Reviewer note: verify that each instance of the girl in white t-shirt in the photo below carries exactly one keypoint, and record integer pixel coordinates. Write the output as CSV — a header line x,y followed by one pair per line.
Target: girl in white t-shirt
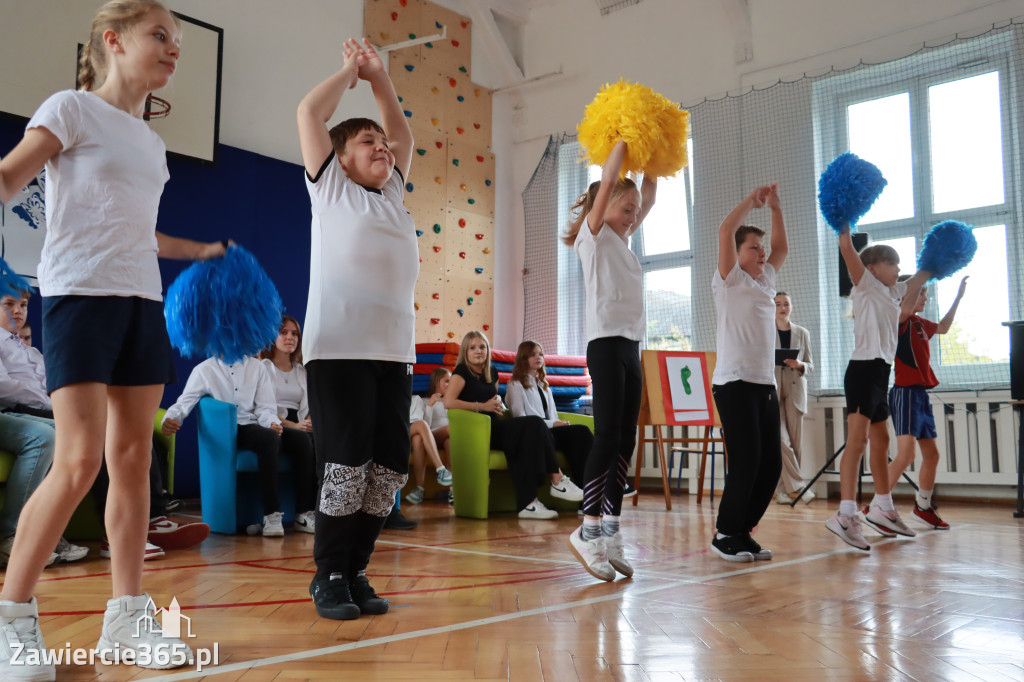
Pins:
x,y
427,419
603,219
877,312
108,356
744,382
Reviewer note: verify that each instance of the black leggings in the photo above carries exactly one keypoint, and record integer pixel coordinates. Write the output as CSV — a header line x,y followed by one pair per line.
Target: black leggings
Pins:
x,y
750,421
529,450
575,441
614,365
268,446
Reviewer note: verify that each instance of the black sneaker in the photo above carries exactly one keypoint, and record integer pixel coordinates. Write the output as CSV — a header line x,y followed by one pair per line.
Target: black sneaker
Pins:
x,y
760,553
366,598
396,521
173,504
732,548
628,491
333,599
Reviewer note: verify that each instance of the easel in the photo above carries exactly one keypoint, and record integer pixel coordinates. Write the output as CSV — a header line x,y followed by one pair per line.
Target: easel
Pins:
x,y
653,414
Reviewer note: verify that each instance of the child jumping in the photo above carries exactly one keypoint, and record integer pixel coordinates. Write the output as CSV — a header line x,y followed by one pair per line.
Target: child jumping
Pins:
x,y
603,219
360,321
880,304
744,381
911,409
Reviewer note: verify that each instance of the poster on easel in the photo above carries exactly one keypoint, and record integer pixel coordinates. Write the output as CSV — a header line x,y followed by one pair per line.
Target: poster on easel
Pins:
x,y
686,388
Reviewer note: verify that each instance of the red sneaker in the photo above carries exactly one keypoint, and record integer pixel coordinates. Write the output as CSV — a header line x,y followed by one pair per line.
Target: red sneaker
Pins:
x,y
930,517
170,535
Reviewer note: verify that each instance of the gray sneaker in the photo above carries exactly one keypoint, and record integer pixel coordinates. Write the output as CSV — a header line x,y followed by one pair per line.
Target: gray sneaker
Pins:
x,y
67,552
888,522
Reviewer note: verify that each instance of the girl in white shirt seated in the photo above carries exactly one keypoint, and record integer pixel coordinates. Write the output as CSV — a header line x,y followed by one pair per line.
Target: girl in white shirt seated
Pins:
x,y
247,385
528,393
428,419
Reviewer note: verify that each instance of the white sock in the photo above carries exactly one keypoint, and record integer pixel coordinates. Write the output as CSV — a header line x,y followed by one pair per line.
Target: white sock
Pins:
x,y
883,502
847,508
924,499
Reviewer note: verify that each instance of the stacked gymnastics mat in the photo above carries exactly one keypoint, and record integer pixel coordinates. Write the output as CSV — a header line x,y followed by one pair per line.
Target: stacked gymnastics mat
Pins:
x,y
566,374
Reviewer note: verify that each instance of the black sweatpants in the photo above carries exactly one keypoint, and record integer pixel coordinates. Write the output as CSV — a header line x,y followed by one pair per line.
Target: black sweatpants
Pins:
x,y
614,365
575,441
529,450
360,414
750,421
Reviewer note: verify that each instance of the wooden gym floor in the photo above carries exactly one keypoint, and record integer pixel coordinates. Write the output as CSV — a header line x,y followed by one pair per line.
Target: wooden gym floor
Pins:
x,y
504,600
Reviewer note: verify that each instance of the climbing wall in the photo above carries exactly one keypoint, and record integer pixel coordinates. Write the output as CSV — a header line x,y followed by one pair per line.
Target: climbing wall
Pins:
x,y
450,189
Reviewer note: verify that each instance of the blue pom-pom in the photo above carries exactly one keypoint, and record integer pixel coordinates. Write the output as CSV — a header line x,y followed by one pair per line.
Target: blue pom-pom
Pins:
x,y
948,247
11,283
847,189
224,307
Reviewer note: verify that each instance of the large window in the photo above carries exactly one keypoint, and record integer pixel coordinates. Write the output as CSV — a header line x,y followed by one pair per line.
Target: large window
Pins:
x,y
942,141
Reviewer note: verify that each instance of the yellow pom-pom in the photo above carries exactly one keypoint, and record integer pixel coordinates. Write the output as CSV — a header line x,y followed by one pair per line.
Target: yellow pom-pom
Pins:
x,y
653,127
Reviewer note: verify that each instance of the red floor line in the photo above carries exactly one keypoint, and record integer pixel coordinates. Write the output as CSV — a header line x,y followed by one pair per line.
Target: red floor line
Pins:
x,y
469,542
300,601
422,576
148,569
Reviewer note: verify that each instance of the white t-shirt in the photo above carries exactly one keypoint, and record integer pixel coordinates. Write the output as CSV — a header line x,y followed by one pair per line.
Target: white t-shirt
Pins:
x,y
746,326
876,317
363,266
102,194
290,389
614,283
435,415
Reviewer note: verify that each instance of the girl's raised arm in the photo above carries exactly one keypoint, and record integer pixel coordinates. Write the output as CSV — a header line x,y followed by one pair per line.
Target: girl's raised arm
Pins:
x,y
609,176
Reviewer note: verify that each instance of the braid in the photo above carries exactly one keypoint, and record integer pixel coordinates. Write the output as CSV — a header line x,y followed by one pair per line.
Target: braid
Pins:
x,y
86,68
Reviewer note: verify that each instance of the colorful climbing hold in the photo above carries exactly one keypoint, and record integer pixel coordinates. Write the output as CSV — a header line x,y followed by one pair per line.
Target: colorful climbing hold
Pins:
x,y
451,335
477,292
487,327
487,182
463,24
434,90
435,320
451,82
463,69
429,44
480,159
412,36
436,297
461,98
439,180
462,254
461,312
400,99
455,43
469,301
437,144
478,235
486,250
460,130
435,122
462,222
421,152
477,126
476,93
479,271
383,36
394,16
419,233
416,306
437,249
409,67
462,187
455,162
471,201
408,114
408,187
437,24
437,229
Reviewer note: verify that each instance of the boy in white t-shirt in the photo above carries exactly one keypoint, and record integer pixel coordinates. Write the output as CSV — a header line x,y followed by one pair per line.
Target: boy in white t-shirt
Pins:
x,y
360,319
877,312
744,381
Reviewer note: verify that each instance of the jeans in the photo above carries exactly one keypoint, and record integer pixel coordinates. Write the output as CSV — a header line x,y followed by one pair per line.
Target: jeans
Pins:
x,y
30,439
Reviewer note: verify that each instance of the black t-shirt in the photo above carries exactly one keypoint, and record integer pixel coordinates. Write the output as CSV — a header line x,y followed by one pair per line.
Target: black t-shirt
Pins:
x,y
476,389
785,337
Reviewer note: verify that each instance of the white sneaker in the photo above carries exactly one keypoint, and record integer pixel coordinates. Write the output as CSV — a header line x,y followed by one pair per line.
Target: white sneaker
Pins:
x,y
593,554
617,556
19,630
782,498
129,623
888,523
7,545
849,530
444,477
567,490
536,510
272,527
67,552
305,522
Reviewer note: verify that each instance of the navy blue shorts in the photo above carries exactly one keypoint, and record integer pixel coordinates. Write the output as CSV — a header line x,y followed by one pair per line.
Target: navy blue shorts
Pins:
x,y
866,382
912,412
113,340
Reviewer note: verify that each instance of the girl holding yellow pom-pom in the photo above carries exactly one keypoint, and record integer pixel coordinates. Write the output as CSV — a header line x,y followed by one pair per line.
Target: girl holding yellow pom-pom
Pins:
x,y
603,219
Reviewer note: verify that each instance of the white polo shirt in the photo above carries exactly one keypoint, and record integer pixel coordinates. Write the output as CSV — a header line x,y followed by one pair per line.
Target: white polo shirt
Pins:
x,y
876,318
363,266
245,384
614,283
746,326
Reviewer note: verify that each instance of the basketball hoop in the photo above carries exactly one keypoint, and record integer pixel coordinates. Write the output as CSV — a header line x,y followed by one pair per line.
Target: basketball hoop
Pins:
x,y
156,107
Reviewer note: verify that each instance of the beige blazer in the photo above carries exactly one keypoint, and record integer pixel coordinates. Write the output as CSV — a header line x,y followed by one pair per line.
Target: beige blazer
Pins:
x,y
796,381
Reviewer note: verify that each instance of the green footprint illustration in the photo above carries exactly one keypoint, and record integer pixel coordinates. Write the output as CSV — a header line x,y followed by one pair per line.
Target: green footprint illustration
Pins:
x,y
685,375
